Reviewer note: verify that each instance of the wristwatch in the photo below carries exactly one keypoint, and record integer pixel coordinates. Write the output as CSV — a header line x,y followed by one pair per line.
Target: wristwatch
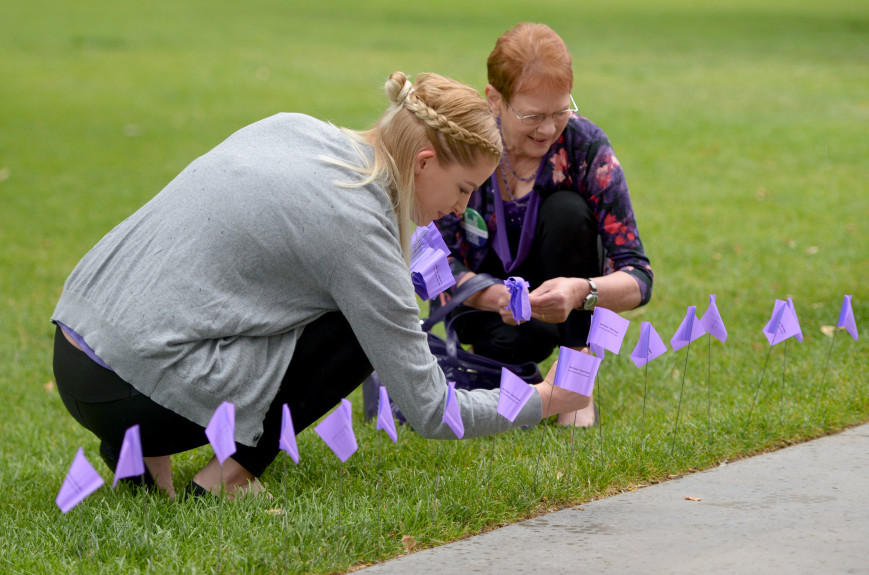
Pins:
x,y
591,299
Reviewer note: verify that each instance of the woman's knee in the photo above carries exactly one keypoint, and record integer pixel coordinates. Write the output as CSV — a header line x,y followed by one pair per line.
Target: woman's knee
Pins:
x,y
567,238
565,216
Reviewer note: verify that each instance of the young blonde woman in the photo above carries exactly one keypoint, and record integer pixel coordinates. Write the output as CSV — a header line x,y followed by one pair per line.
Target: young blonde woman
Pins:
x,y
273,270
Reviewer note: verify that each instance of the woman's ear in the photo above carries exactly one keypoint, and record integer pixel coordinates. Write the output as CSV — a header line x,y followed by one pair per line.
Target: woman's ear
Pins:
x,y
493,98
425,156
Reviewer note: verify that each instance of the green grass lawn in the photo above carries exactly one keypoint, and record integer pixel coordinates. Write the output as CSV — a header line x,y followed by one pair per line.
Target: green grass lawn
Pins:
x,y
742,127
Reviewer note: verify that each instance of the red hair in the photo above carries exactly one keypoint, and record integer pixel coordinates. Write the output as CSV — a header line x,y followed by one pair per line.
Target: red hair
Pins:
x,y
530,56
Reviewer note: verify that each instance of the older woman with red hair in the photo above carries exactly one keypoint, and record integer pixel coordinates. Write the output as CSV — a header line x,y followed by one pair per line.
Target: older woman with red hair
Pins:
x,y
555,212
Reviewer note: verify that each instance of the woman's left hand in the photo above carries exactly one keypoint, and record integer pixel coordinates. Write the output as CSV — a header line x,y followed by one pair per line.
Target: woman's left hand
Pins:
x,y
554,299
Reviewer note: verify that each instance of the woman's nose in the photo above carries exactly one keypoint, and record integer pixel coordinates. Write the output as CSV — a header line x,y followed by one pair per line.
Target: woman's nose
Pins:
x,y
548,127
461,205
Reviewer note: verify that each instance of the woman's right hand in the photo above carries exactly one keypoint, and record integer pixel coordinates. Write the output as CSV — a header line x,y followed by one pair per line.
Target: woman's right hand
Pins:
x,y
558,400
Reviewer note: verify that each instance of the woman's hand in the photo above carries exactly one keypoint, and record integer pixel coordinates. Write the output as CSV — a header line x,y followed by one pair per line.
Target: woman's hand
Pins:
x,y
554,299
494,298
557,399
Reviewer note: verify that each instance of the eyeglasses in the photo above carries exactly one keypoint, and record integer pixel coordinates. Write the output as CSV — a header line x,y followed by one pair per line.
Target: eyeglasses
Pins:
x,y
537,119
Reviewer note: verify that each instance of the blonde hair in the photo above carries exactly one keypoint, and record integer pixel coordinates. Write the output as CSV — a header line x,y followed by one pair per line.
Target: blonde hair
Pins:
x,y
451,118
530,56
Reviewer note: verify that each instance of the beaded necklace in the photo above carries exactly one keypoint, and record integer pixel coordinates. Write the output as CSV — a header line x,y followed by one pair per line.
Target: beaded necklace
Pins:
x,y
512,171
506,160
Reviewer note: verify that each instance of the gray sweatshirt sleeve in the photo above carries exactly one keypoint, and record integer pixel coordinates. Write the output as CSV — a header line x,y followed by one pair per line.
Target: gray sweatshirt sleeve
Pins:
x,y
372,287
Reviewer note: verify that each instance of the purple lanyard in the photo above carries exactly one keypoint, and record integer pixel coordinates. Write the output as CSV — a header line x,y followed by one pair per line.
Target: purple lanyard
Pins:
x,y
526,237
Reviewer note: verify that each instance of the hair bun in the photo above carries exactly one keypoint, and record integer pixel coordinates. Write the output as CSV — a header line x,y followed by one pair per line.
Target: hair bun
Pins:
x,y
398,87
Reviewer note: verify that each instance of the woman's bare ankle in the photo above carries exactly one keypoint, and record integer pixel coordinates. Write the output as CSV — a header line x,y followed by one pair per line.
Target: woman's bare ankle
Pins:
x,y
160,469
582,418
236,480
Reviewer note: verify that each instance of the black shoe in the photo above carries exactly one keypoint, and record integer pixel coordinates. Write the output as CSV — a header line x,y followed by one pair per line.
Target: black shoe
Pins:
x,y
110,456
196,492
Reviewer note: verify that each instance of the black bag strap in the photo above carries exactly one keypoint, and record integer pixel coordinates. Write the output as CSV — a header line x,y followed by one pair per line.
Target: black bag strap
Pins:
x,y
477,283
452,341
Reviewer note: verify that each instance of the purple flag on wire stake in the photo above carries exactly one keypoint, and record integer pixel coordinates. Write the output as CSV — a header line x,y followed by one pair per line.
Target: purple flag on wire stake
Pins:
x,y
576,371
519,304
426,236
650,345
81,481
431,274
712,322
515,393
385,418
337,431
846,318
452,412
221,431
607,331
689,330
130,461
287,442
783,323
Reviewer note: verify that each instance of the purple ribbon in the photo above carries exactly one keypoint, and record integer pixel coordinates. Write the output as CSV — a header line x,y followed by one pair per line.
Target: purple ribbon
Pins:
x,y
526,238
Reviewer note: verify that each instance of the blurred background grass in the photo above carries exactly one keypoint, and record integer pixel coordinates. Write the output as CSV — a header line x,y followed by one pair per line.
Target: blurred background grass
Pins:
x,y
742,130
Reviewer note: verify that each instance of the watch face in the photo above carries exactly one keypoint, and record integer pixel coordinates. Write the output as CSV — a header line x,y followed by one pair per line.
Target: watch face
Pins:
x,y
590,301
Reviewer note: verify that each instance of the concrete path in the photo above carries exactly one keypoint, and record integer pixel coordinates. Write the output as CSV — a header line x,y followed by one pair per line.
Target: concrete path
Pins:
x,y
804,509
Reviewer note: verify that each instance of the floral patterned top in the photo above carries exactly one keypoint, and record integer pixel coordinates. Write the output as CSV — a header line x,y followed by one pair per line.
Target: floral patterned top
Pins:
x,y
582,159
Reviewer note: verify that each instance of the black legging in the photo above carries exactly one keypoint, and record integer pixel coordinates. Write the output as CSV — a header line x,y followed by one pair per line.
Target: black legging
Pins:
x,y
328,363
566,244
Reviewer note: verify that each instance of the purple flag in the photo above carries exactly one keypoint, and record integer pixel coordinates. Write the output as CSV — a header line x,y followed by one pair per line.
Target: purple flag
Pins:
x,y
130,462
519,305
846,318
689,330
774,325
783,323
452,413
712,322
576,371
423,237
431,273
799,334
287,442
337,431
607,331
515,393
81,481
650,345
221,431
429,268
385,418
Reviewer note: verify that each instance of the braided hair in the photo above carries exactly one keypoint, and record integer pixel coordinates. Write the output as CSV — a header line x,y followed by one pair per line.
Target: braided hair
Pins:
x,y
435,112
401,92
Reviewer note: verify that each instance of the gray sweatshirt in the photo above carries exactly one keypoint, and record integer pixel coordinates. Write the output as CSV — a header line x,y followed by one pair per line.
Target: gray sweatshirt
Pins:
x,y
201,295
